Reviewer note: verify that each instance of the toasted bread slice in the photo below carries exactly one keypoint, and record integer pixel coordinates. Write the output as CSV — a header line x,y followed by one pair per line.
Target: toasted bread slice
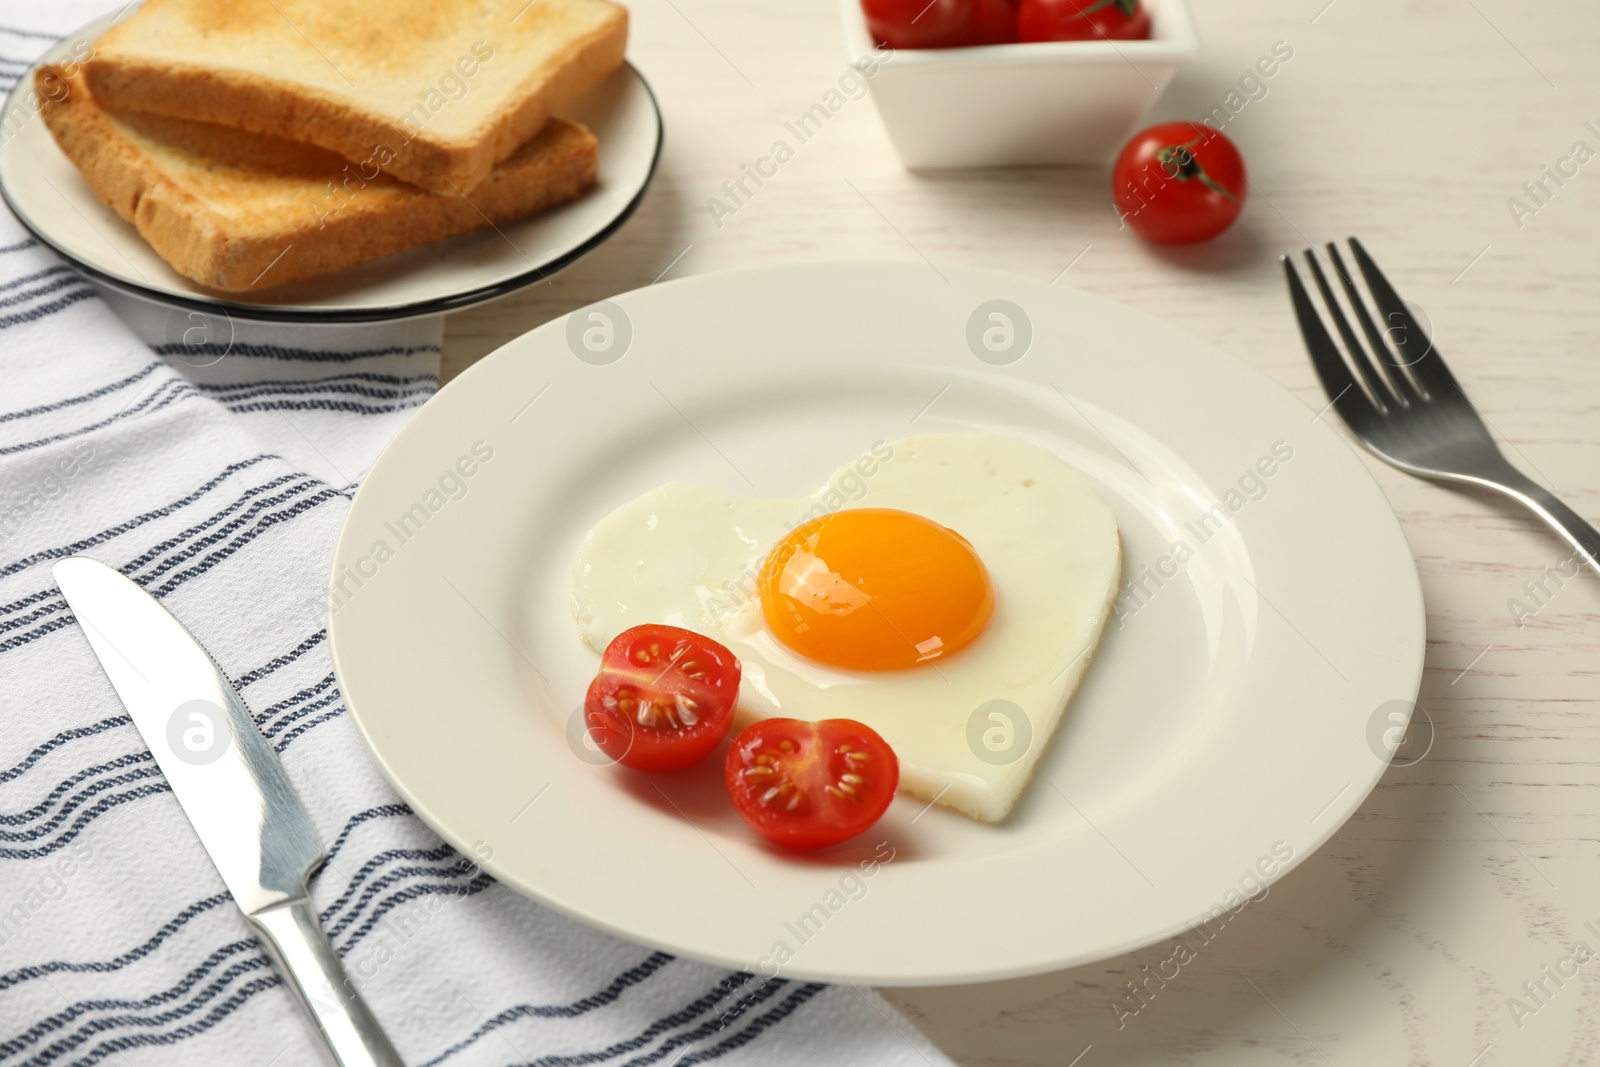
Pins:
x,y
242,211
446,88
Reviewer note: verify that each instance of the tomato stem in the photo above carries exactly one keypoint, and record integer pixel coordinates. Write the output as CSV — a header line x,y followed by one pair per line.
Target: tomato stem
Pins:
x,y
1129,8
1179,161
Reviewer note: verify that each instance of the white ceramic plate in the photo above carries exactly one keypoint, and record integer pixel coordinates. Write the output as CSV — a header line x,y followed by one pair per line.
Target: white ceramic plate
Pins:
x,y
48,194
1222,733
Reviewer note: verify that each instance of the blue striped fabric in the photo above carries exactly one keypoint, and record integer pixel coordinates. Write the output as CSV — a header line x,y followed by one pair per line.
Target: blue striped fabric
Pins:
x,y
219,486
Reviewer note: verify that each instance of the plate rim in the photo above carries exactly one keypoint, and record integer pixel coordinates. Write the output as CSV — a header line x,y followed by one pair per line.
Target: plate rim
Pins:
x,y
455,301
1343,808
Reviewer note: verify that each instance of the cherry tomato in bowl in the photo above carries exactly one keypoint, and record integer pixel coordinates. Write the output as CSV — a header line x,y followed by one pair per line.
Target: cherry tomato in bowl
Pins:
x,y
1179,182
1082,20
663,698
808,785
940,23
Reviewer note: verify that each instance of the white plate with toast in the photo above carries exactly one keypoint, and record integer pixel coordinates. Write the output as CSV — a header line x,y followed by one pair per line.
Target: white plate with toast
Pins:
x,y
1238,709
51,197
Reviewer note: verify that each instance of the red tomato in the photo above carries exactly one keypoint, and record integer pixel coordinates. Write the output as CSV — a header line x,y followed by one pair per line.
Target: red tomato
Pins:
x,y
663,698
1082,20
1179,182
992,22
941,23
806,785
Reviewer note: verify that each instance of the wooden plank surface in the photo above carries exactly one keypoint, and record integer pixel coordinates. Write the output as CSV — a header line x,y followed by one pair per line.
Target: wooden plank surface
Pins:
x,y
1412,124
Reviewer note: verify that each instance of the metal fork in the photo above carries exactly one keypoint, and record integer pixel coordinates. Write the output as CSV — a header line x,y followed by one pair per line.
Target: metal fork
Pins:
x,y
1403,402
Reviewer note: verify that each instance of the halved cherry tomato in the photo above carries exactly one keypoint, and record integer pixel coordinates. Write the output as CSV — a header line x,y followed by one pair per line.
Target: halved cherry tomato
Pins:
x,y
1179,182
807,785
1082,20
940,23
663,698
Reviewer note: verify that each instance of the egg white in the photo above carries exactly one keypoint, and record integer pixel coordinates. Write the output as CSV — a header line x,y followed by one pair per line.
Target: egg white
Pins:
x,y
689,556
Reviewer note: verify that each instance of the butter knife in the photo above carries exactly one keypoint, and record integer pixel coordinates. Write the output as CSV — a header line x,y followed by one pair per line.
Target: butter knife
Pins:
x,y
231,786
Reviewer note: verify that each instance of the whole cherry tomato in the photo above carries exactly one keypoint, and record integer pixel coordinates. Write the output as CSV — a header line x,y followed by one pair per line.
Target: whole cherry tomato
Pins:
x,y
941,23
663,698
1179,182
807,785
1082,20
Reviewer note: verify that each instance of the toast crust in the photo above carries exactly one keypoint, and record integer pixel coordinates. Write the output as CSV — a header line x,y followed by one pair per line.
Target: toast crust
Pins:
x,y
242,212
128,74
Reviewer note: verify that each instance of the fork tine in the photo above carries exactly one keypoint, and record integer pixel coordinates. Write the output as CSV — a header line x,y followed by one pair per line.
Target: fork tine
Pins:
x,y
1381,395
1385,361
1341,388
1429,368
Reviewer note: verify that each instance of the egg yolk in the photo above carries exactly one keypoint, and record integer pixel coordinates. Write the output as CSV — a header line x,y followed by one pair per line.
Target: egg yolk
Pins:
x,y
875,589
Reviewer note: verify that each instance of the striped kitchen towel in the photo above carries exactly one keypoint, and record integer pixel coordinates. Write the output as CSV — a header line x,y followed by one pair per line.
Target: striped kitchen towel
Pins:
x,y
219,484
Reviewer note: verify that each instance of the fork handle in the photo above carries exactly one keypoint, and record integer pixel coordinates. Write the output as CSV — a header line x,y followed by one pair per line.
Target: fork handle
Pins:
x,y
1573,528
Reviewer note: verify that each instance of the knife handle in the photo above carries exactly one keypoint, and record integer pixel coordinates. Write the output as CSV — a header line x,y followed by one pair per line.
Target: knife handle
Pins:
x,y
292,936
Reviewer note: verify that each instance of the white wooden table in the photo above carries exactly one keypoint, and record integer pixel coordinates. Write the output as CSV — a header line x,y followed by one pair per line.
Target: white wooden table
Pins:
x,y
1409,124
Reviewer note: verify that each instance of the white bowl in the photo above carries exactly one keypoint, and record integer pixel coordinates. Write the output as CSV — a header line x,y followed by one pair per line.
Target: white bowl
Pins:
x,y
1019,104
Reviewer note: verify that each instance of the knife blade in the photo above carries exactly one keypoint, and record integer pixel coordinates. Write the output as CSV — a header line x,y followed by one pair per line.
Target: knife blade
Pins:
x,y
230,785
